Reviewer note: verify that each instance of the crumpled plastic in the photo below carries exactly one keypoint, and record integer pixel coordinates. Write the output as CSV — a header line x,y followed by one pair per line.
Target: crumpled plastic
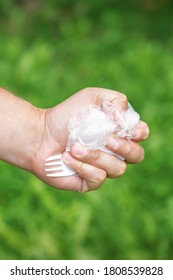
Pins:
x,y
93,126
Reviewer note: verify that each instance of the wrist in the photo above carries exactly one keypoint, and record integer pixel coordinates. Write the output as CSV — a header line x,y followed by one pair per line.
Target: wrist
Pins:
x,y
36,132
21,130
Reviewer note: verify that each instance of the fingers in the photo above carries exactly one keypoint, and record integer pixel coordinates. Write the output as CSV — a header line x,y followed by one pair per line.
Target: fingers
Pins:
x,y
94,176
130,150
120,102
140,132
113,166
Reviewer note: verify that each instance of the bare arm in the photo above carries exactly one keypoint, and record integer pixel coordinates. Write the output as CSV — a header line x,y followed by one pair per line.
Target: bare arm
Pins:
x,y
21,126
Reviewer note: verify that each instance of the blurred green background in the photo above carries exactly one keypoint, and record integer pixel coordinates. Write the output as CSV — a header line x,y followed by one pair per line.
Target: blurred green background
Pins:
x,y
48,51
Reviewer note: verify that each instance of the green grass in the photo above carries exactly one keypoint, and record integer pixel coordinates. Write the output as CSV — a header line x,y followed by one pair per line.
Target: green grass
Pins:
x,y
46,56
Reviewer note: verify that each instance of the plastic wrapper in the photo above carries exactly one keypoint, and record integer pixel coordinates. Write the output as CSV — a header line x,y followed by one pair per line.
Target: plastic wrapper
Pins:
x,y
93,125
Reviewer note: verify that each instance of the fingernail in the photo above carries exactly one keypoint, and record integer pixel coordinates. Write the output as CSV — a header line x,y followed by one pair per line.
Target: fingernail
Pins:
x,y
141,131
71,162
79,150
135,132
114,142
67,158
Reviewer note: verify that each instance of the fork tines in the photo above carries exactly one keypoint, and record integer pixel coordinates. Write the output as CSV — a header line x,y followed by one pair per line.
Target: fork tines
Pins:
x,y
55,167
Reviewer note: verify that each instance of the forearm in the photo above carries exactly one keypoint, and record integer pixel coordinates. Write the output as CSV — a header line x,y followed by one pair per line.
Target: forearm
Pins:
x,y
21,126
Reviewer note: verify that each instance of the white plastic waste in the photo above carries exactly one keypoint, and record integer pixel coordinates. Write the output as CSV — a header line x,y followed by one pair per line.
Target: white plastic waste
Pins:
x,y
93,126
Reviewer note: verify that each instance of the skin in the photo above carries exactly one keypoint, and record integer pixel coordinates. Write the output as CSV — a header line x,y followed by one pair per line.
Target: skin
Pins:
x,y
29,135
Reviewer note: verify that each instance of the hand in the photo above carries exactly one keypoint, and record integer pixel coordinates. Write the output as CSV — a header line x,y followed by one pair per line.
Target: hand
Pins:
x,y
93,167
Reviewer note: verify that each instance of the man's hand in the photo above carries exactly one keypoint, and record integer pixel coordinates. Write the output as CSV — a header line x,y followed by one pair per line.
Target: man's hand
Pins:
x,y
93,167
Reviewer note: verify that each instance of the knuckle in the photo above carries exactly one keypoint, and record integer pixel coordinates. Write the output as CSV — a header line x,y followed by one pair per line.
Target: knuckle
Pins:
x,y
79,166
100,176
94,155
90,94
84,187
123,97
127,149
91,155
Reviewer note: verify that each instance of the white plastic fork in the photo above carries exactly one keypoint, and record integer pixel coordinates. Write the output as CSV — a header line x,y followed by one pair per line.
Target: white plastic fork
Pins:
x,y
55,167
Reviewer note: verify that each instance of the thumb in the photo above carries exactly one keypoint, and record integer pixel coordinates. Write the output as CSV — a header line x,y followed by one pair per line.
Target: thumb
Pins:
x,y
117,99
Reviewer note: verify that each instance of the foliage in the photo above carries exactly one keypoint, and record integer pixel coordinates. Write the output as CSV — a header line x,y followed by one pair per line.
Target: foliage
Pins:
x,y
48,51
